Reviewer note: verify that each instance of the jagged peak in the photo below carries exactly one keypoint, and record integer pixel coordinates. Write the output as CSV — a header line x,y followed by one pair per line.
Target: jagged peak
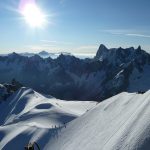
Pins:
x,y
35,57
102,47
131,48
64,56
43,52
103,50
14,54
114,54
139,48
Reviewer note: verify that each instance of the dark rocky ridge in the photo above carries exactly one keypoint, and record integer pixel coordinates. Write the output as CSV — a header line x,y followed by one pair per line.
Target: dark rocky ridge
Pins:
x,y
111,71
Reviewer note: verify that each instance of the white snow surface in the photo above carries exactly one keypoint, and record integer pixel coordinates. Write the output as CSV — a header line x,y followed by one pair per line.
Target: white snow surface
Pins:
x,y
119,123
28,116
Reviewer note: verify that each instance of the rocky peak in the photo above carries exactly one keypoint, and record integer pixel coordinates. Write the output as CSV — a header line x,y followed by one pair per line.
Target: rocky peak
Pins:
x,y
102,47
43,53
14,55
139,48
102,52
36,58
117,56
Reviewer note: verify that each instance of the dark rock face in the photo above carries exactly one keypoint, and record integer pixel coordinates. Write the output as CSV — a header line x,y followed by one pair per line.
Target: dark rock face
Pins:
x,y
7,90
111,71
3,92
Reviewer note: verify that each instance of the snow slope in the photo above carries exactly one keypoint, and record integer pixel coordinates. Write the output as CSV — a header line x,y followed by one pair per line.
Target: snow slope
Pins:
x,y
29,116
119,123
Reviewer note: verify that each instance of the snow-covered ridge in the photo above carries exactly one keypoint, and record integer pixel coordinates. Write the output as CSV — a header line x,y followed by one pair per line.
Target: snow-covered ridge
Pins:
x,y
30,115
119,123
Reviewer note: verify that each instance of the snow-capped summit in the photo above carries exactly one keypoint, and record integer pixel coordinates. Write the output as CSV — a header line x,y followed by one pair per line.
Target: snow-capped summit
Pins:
x,y
36,58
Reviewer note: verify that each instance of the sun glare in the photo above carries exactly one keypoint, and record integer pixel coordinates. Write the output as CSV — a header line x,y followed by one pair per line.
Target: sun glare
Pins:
x,y
33,15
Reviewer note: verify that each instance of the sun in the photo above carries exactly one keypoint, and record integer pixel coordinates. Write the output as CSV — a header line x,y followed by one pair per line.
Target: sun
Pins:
x,y
33,15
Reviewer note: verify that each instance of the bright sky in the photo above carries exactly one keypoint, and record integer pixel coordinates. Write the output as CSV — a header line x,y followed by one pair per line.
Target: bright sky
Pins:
x,y
77,26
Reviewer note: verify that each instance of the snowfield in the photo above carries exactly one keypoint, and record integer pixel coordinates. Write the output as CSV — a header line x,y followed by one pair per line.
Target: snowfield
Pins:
x,y
30,116
119,123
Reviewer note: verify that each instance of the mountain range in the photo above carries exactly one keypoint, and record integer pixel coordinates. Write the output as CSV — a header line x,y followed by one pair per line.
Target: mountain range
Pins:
x,y
67,77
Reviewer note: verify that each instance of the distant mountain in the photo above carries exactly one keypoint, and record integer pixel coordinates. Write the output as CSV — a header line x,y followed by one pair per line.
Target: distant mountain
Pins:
x,y
27,54
110,72
45,54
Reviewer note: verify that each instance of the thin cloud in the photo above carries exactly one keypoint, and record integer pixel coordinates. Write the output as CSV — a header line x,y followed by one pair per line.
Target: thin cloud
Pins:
x,y
86,49
34,47
138,35
126,32
115,31
50,48
56,42
48,41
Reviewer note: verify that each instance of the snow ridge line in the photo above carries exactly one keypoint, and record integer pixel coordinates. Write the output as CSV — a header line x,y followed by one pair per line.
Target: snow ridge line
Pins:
x,y
131,116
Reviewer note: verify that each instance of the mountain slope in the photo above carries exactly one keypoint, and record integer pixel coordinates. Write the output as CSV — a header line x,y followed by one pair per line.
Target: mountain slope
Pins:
x,y
29,116
119,123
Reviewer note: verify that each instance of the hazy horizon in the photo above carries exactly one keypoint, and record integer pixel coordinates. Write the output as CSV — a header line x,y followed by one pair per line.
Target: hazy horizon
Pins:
x,y
70,52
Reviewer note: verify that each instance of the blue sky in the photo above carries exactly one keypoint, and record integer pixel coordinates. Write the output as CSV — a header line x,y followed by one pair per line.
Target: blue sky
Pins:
x,y
77,26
